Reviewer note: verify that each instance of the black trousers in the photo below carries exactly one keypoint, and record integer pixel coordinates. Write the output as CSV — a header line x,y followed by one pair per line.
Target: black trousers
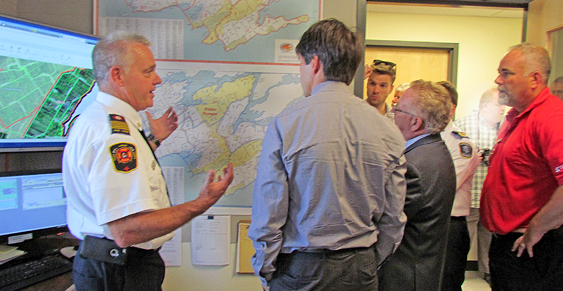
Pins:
x,y
343,270
144,270
542,272
456,254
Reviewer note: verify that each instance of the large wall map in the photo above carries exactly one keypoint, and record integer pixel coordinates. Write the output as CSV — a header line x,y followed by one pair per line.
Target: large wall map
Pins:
x,y
223,115
216,30
221,70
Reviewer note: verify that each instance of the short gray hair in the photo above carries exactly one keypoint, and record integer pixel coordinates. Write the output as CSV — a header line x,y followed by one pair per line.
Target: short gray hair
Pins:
x,y
488,97
433,105
537,59
114,50
403,87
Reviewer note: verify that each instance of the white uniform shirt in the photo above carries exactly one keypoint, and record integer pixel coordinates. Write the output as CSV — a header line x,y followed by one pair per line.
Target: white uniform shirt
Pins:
x,y
466,160
109,171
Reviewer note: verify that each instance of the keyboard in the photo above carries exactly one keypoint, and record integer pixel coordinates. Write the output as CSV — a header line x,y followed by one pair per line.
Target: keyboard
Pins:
x,y
31,272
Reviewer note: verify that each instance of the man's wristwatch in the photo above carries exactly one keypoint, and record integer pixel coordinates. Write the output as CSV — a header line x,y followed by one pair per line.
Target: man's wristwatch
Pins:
x,y
155,140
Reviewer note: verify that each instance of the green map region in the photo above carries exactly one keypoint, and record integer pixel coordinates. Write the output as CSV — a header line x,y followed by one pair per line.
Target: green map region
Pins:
x,y
38,99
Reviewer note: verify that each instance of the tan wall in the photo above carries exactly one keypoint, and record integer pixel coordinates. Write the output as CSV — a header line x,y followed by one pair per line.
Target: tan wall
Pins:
x,y
543,15
69,14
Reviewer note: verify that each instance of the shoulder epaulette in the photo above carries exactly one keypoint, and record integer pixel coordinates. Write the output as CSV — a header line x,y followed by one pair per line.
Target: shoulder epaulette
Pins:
x,y
460,134
118,124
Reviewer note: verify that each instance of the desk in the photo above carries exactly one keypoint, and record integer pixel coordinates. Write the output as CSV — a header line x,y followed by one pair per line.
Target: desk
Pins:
x,y
58,283
47,245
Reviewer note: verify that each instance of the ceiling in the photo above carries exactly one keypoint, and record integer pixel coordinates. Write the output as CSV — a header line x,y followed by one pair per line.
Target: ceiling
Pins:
x,y
452,10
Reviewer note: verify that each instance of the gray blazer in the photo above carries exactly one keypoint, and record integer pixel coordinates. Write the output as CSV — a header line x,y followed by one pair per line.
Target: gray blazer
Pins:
x,y
431,183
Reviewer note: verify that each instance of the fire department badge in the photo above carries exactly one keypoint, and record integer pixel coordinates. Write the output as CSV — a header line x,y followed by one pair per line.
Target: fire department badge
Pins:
x,y
124,156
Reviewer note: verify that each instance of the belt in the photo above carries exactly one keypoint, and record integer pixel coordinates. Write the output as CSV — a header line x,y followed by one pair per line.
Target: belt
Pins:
x,y
134,251
517,232
510,235
328,252
107,250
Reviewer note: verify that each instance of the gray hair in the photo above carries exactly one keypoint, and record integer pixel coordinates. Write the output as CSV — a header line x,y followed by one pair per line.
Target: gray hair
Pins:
x,y
537,59
338,48
403,87
114,50
558,80
433,105
488,96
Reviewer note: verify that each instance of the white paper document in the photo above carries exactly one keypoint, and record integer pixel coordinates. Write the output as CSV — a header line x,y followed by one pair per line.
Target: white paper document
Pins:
x,y
166,35
174,177
211,240
171,251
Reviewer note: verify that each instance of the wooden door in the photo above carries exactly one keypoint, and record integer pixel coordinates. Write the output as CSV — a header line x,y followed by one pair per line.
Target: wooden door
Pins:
x,y
412,63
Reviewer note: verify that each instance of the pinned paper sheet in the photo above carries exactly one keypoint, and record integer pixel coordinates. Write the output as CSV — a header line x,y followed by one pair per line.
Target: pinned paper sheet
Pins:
x,y
171,251
211,240
174,177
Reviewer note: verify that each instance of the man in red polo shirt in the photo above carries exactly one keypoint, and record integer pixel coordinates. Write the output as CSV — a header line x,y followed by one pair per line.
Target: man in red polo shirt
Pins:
x,y
522,199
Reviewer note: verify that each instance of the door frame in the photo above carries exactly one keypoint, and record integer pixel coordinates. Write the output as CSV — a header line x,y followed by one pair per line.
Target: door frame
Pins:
x,y
452,48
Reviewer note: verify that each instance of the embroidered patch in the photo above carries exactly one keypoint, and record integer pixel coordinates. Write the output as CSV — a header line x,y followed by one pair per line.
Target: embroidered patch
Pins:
x,y
118,124
465,150
124,156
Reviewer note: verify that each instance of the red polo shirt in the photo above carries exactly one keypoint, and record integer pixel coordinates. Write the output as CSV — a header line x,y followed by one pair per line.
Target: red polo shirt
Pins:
x,y
526,165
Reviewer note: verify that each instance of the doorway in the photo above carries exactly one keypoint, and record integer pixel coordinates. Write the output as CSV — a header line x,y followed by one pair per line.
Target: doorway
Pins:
x,y
415,60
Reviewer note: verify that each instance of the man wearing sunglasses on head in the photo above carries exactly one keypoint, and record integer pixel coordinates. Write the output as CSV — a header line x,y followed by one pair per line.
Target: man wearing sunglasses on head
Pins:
x,y
380,75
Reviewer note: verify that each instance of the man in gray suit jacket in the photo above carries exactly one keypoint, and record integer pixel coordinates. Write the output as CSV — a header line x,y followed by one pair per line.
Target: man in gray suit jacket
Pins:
x,y
421,114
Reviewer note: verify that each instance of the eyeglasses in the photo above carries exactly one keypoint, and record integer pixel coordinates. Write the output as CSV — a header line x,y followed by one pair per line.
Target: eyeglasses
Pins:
x,y
395,109
557,92
378,62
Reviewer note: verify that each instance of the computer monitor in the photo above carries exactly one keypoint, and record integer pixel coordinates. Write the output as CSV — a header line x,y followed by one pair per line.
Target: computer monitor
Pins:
x,y
46,81
32,204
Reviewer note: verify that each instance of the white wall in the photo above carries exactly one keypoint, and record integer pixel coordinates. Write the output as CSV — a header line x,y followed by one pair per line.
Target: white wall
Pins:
x,y
208,278
482,43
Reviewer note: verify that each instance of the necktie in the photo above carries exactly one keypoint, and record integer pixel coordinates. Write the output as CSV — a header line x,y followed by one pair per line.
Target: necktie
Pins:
x,y
147,141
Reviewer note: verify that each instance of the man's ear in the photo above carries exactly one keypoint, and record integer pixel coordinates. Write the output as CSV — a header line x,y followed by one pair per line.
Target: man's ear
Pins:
x,y
417,124
536,79
317,70
116,75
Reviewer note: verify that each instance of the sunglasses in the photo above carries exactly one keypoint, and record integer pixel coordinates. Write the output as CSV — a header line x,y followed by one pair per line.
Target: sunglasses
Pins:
x,y
379,62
